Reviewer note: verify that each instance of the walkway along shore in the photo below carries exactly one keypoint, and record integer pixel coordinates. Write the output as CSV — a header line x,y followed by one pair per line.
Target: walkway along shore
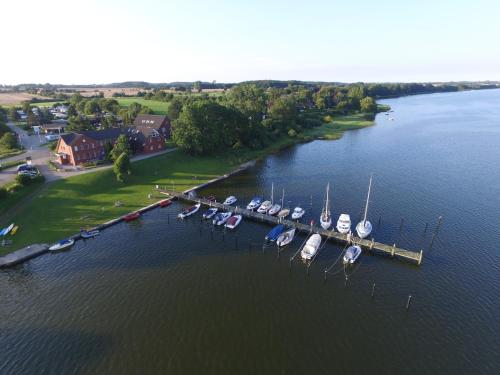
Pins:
x,y
34,250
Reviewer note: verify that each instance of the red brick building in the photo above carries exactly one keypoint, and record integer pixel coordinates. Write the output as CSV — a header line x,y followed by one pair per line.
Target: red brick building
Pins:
x,y
147,136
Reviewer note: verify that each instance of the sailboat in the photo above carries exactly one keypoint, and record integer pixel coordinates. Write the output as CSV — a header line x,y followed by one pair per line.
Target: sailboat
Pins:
x,y
284,211
364,227
326,217
275,207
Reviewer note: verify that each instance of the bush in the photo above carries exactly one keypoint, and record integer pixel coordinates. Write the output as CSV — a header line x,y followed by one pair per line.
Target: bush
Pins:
x,y
23,179
327,118
312,123
14,187
292,133
3,192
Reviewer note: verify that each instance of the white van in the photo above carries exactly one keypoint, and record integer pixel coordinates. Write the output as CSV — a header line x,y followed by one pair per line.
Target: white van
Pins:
x,y
52,137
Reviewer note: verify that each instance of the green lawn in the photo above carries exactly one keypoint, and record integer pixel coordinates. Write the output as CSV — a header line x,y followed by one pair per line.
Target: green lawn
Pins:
x,y
339,124
159,108
65,206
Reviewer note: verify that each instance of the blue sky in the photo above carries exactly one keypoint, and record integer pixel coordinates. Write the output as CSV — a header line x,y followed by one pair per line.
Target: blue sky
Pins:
x,y
228,41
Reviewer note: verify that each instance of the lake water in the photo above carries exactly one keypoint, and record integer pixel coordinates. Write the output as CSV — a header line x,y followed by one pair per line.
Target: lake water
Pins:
x,y
168,296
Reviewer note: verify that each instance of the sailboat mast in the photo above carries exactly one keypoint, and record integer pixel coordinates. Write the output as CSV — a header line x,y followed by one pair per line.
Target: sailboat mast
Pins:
x,y
283,198
327,207
272,193
367,199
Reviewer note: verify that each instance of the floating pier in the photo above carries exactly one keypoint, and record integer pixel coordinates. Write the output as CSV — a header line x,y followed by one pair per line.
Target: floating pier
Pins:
x,y
23,254
368,245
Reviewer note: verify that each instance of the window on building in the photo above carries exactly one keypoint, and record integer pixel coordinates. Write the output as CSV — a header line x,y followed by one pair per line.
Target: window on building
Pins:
x,y
76,148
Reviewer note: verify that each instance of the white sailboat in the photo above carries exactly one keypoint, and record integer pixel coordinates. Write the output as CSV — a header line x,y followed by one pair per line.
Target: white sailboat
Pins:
x,y
284,211
364,227
326,217
275,208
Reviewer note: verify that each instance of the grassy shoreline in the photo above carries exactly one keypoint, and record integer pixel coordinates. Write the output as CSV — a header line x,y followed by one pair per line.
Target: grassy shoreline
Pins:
x,y
65,206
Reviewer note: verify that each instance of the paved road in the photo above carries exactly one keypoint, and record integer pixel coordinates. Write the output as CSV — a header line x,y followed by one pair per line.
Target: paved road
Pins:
x,y
40,155
33,144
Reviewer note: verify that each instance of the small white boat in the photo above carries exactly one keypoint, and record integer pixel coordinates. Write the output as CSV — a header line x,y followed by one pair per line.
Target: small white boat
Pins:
x,y
351,254
208,214
311,247
233,221
344,224
364,227
89,234
221,218
326,217
285,238
8,229
254,203
230,200
264,207
190,211
63,244
391,118
275,208
297,213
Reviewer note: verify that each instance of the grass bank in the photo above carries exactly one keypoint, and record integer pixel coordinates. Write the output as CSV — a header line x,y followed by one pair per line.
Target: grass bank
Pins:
x,y
159,108
64,206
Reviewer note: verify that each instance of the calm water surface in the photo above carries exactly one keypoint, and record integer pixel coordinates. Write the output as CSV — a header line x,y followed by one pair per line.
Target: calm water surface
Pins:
x,y
168,296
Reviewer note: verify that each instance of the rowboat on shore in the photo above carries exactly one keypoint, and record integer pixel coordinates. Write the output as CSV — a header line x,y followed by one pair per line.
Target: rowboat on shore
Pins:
x,y
165,203
132,216
62,245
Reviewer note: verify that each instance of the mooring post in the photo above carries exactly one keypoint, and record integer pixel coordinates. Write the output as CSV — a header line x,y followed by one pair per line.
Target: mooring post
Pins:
x,y
401,225
325,273
435,232
371,244
392,250
420,258
379,219
408,302
373,290
425,229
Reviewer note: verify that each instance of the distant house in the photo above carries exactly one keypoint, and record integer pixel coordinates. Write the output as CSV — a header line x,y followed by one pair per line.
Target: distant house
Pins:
x,y
78,148
157,122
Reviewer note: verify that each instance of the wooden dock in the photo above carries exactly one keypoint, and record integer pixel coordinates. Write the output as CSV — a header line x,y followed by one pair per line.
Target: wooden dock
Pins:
x,y
23,254
367,245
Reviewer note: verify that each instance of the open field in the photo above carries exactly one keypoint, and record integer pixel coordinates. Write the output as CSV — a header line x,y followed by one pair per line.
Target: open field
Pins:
x,y
13,98
159,108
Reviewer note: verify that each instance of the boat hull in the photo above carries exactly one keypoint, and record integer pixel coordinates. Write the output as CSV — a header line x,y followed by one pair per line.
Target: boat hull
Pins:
x,y
365,230
311,247
285,238
352,254
232,224
60,247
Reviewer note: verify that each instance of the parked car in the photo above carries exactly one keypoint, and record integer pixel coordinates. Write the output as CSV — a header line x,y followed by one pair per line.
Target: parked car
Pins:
x,y
25,167
52,137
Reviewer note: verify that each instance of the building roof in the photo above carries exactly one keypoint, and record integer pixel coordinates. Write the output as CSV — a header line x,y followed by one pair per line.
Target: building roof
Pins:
x,y
150,121
69,138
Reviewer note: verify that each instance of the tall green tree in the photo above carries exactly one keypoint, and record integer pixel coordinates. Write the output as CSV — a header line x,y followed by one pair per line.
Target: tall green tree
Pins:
x,y
121,146
14,115
368,105
8,141
122,166
249,100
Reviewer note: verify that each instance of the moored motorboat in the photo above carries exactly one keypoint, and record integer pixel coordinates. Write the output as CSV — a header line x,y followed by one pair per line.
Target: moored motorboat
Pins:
x,y
311,247
165,203
297,213
208,214
63,244
344,224
326,217
233,221
351,254
285,238
230,200
190,211
275,208
264,207
254,203
275,232
364,227
89,234
221,218
132,216
284,213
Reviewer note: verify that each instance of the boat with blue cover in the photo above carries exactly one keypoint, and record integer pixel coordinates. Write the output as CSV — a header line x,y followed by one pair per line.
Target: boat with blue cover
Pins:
x,y
275,232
